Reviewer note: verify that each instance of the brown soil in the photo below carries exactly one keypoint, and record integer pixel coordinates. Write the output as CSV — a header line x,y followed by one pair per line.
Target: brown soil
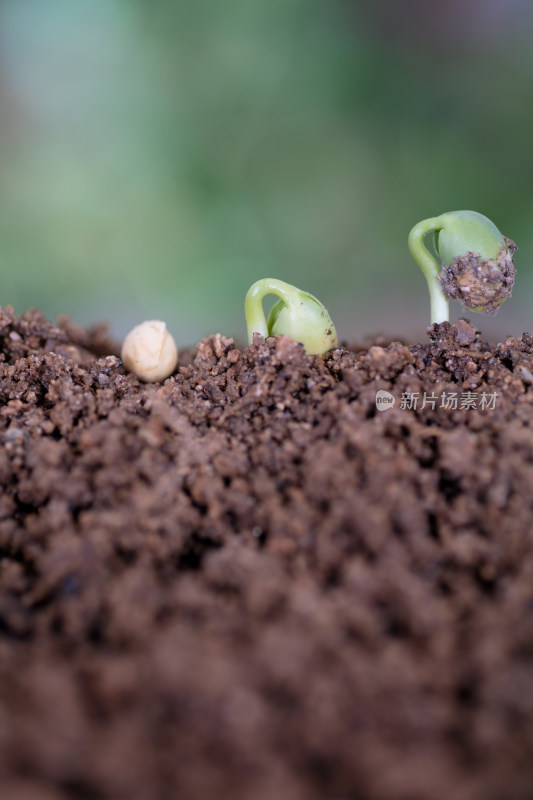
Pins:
x,y
248,583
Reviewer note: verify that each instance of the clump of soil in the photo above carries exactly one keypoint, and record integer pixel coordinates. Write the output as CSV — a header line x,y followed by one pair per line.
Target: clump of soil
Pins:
x,y
248,582
481,285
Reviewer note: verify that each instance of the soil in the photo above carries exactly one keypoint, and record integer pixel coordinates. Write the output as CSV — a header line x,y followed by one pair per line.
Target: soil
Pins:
x,y
249,582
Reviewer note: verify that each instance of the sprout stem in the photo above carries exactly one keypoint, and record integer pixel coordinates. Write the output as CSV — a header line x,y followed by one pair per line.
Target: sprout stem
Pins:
x,y
440,310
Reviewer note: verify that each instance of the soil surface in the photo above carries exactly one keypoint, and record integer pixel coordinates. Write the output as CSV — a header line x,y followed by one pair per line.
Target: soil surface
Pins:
x,y
250,583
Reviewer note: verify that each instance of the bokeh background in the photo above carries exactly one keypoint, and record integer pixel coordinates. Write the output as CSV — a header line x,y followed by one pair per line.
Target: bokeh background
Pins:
x,y
159,156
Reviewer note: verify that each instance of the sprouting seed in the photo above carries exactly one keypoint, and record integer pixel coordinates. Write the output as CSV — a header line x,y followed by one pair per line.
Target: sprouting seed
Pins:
x,y
476,262
296,314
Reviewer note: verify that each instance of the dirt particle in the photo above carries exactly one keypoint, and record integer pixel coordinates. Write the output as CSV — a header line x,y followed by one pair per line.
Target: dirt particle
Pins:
x,y
481,285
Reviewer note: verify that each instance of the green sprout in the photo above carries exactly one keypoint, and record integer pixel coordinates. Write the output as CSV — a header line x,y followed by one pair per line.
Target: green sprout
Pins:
x,y
476,262
296,314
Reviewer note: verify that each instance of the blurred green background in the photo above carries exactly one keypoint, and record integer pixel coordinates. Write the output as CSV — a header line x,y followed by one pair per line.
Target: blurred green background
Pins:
x,y
159,156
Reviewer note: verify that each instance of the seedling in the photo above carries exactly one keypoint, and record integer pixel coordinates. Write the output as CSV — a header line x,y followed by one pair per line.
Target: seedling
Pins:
x,y
150,351
296,314
476,262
